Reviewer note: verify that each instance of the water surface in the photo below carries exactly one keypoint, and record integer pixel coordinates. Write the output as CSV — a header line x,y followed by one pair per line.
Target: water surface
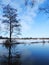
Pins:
x,y
25,54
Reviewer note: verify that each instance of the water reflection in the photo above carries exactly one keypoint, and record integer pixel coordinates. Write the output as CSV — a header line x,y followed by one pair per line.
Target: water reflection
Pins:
x,y
10,59
24,54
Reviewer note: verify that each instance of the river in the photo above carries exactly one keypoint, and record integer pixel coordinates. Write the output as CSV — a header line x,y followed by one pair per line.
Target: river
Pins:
x,y
25,54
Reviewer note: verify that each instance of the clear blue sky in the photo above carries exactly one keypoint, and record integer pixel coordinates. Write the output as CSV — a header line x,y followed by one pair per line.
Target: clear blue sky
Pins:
x,y
34,24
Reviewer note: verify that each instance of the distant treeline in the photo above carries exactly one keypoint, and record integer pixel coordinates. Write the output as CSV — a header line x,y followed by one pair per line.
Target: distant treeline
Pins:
x,y
25,38
3,37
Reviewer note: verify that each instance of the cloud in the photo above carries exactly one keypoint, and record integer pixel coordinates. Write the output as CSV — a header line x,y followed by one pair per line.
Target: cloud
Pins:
x,y
26,14
29,15
5,2
40,1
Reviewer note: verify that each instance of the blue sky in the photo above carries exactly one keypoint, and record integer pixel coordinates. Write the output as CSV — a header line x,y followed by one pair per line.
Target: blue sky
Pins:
x,y
34,24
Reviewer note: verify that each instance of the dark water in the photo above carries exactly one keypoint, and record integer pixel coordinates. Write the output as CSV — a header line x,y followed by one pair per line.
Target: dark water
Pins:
x,y
25,54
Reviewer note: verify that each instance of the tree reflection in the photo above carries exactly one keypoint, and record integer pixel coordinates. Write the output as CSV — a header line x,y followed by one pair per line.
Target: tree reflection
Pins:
x,y
11,59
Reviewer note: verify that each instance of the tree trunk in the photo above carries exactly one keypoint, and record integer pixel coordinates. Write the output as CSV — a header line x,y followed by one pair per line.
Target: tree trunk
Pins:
x,y
10,31
9,60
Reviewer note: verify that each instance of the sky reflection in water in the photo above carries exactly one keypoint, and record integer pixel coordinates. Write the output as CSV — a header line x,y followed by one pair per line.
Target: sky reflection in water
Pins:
x,y
29,52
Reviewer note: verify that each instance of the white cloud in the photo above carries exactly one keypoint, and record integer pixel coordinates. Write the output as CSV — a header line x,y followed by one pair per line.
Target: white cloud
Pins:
x,y
29,15
26,14
40,1
5,2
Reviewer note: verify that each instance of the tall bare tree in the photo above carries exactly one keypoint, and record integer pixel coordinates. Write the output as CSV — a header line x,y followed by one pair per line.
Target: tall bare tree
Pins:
x,y
10,15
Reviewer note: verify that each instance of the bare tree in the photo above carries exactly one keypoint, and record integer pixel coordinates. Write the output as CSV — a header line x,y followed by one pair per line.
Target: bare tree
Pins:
x,y
45,8
31,2
11,22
